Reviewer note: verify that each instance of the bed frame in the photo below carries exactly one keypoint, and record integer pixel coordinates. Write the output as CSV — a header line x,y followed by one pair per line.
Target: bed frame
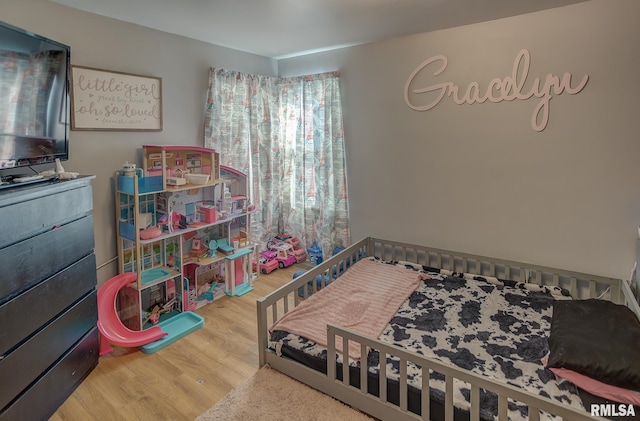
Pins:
x,y
273,306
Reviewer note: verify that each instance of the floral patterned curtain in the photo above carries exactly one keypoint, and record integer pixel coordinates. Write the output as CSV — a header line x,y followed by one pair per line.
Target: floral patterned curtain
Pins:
x,y
286,134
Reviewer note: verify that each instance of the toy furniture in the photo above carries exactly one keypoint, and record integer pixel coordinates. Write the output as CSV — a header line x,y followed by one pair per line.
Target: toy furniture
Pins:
x,y
196,247
398,389
48,313
238,264
213,248
207,213
223,246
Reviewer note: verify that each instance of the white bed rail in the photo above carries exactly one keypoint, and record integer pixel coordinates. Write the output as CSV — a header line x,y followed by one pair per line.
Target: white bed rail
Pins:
x,y
273,306
351,395
580,285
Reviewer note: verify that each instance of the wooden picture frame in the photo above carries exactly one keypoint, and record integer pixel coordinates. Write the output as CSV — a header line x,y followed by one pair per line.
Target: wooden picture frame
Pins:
x,y
117,101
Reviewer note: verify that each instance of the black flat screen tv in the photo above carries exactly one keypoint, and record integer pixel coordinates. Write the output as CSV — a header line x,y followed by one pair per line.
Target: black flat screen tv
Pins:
x,y
34,99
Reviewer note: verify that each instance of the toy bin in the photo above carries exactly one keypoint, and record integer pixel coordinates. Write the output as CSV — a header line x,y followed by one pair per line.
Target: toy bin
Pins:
x,y
127,230
207,213
197,178
145,184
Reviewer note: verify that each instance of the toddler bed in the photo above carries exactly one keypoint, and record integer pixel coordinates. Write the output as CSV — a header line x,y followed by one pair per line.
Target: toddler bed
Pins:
x,y
469,329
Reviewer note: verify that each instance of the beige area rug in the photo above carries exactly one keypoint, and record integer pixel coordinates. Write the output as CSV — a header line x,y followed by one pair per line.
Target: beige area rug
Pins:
x,y
270,395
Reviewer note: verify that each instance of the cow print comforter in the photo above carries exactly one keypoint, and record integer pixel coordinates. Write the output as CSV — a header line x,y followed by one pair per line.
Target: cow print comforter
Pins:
x,y
496,328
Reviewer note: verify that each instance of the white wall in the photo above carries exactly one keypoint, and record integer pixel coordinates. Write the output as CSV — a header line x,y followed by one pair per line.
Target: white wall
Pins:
x,y
478,178
474,178
183,64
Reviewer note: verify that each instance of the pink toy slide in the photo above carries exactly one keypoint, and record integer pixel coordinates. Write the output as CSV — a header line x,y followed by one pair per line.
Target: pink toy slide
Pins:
x,y
112,331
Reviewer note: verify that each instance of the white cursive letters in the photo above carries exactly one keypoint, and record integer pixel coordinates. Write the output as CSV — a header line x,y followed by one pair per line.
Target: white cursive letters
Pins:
x,y
498,90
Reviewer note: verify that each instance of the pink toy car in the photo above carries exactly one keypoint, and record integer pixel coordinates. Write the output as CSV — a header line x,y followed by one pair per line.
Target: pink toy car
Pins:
x,y
298,251
284,256
267,262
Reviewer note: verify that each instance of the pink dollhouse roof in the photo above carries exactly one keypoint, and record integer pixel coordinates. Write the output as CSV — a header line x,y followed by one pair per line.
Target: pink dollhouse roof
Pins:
x,y
180,148
232,171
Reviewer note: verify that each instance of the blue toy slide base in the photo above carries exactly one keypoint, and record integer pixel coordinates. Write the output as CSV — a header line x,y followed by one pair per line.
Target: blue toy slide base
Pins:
x,y
240,290
176,327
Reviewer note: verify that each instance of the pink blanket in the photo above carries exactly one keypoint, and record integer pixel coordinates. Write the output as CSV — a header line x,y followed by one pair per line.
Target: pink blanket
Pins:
x,y
363,299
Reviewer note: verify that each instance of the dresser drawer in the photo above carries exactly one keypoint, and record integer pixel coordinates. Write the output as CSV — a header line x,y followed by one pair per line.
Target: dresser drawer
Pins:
x,y
24,364
37,210
28,262
28,312
51,389
49,340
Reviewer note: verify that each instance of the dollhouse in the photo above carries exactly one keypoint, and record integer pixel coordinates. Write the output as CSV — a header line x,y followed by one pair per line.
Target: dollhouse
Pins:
x,y
183,229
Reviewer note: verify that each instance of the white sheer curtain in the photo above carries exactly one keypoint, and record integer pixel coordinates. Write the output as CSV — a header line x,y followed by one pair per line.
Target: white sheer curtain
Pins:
x,y
286,134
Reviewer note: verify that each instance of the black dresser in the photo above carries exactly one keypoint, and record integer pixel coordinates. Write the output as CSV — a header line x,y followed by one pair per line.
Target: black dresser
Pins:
x,y
48,307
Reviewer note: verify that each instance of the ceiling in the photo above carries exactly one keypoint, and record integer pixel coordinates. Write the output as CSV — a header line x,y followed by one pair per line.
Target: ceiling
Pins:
x,y
287,28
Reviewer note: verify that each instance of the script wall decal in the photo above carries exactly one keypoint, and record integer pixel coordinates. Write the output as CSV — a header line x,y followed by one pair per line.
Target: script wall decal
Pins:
x,y
508,88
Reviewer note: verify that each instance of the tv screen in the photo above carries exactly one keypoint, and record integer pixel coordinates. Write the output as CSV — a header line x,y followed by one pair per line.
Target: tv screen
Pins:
x,y
34,98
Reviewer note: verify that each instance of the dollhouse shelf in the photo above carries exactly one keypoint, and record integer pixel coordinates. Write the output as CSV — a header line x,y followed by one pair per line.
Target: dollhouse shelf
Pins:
x,y
127,230
157,275
153,184
193,186
203,261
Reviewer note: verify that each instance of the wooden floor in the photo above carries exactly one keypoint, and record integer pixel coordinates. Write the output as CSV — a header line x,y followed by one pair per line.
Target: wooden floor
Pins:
x,y
187,377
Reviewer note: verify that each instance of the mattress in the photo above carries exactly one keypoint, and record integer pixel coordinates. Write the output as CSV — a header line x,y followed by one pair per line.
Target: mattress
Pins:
x,y
492,327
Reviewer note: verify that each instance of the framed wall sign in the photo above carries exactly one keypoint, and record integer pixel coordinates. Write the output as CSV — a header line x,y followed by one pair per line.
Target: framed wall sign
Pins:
x,y
108,100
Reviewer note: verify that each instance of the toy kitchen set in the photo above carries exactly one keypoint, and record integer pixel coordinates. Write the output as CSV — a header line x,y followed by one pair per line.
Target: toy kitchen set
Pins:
x,y
183,227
